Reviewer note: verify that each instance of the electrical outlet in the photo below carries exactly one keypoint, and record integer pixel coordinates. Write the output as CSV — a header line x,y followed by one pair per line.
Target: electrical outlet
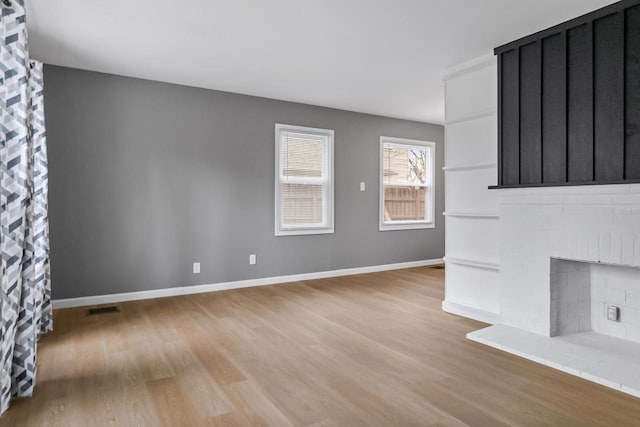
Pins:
x,y
613,313
362,186
196,268
252,259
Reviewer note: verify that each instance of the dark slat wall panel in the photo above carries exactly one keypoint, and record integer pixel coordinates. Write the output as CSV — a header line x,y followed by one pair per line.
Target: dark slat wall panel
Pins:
x,y
530,114
632,91
608,85
554,109
500,168
510,119
569,102
580,104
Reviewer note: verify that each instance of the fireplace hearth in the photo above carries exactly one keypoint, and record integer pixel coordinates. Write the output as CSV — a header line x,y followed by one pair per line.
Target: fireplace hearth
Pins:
x,y
568,255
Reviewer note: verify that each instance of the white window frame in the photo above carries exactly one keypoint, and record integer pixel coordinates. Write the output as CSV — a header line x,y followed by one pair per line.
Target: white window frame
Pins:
x,y
429,222
302,229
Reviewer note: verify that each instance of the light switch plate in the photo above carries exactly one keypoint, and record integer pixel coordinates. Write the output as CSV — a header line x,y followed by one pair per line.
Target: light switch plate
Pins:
x,y
362,186
613,313
252,259
196,268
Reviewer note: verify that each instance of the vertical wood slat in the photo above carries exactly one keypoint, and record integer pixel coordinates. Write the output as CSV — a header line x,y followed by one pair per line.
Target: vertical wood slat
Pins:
x,y
632,93
608,101
580,104
541,110
530,102
566,106
499,121
510,118
554,108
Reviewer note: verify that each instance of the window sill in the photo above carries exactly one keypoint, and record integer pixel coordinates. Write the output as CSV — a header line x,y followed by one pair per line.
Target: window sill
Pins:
x,y
304,232
406,226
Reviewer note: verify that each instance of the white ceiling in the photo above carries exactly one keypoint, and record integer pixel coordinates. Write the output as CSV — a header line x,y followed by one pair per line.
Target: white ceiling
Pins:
x,y
375,56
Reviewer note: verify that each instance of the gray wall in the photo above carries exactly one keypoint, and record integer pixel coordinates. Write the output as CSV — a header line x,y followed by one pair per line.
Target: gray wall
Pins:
x,y
148,177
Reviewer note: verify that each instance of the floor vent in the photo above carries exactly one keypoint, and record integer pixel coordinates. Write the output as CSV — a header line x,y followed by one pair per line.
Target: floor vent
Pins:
x,y
103,310
438,267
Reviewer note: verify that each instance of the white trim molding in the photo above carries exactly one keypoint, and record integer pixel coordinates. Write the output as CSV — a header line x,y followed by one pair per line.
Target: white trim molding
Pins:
x,y
471,312
198,289
326,181
429,185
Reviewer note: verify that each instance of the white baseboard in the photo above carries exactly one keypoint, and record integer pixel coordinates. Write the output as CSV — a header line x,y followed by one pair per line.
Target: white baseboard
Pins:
x,y
198,289
471,312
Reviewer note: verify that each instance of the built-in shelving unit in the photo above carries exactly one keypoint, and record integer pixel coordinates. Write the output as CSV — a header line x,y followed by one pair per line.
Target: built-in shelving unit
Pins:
x,y
473,116
469,166
472,249
472,214
473,263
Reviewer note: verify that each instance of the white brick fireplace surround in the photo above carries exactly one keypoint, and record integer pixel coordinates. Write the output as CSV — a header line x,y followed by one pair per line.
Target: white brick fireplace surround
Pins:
x,y
591,235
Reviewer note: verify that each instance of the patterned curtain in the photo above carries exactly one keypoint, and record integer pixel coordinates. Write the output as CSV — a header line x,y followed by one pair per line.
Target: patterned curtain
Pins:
x,y
25,287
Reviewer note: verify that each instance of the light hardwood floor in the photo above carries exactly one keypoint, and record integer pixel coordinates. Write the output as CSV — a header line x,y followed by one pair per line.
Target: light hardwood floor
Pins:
x,y
367,350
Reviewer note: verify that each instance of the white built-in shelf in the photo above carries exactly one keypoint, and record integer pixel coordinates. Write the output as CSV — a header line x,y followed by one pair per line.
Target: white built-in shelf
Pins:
x,y
487,265
472,214
473,116
469,166
470,66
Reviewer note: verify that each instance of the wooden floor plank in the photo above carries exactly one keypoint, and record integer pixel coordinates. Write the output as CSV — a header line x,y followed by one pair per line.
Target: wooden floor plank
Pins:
x,y
365,350
172,403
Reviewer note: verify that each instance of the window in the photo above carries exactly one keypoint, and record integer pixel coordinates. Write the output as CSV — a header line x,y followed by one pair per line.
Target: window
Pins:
x,y
406,183
304,180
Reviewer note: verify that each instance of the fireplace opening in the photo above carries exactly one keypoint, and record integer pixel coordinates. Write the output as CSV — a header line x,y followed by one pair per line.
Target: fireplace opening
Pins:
x,y
603,298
